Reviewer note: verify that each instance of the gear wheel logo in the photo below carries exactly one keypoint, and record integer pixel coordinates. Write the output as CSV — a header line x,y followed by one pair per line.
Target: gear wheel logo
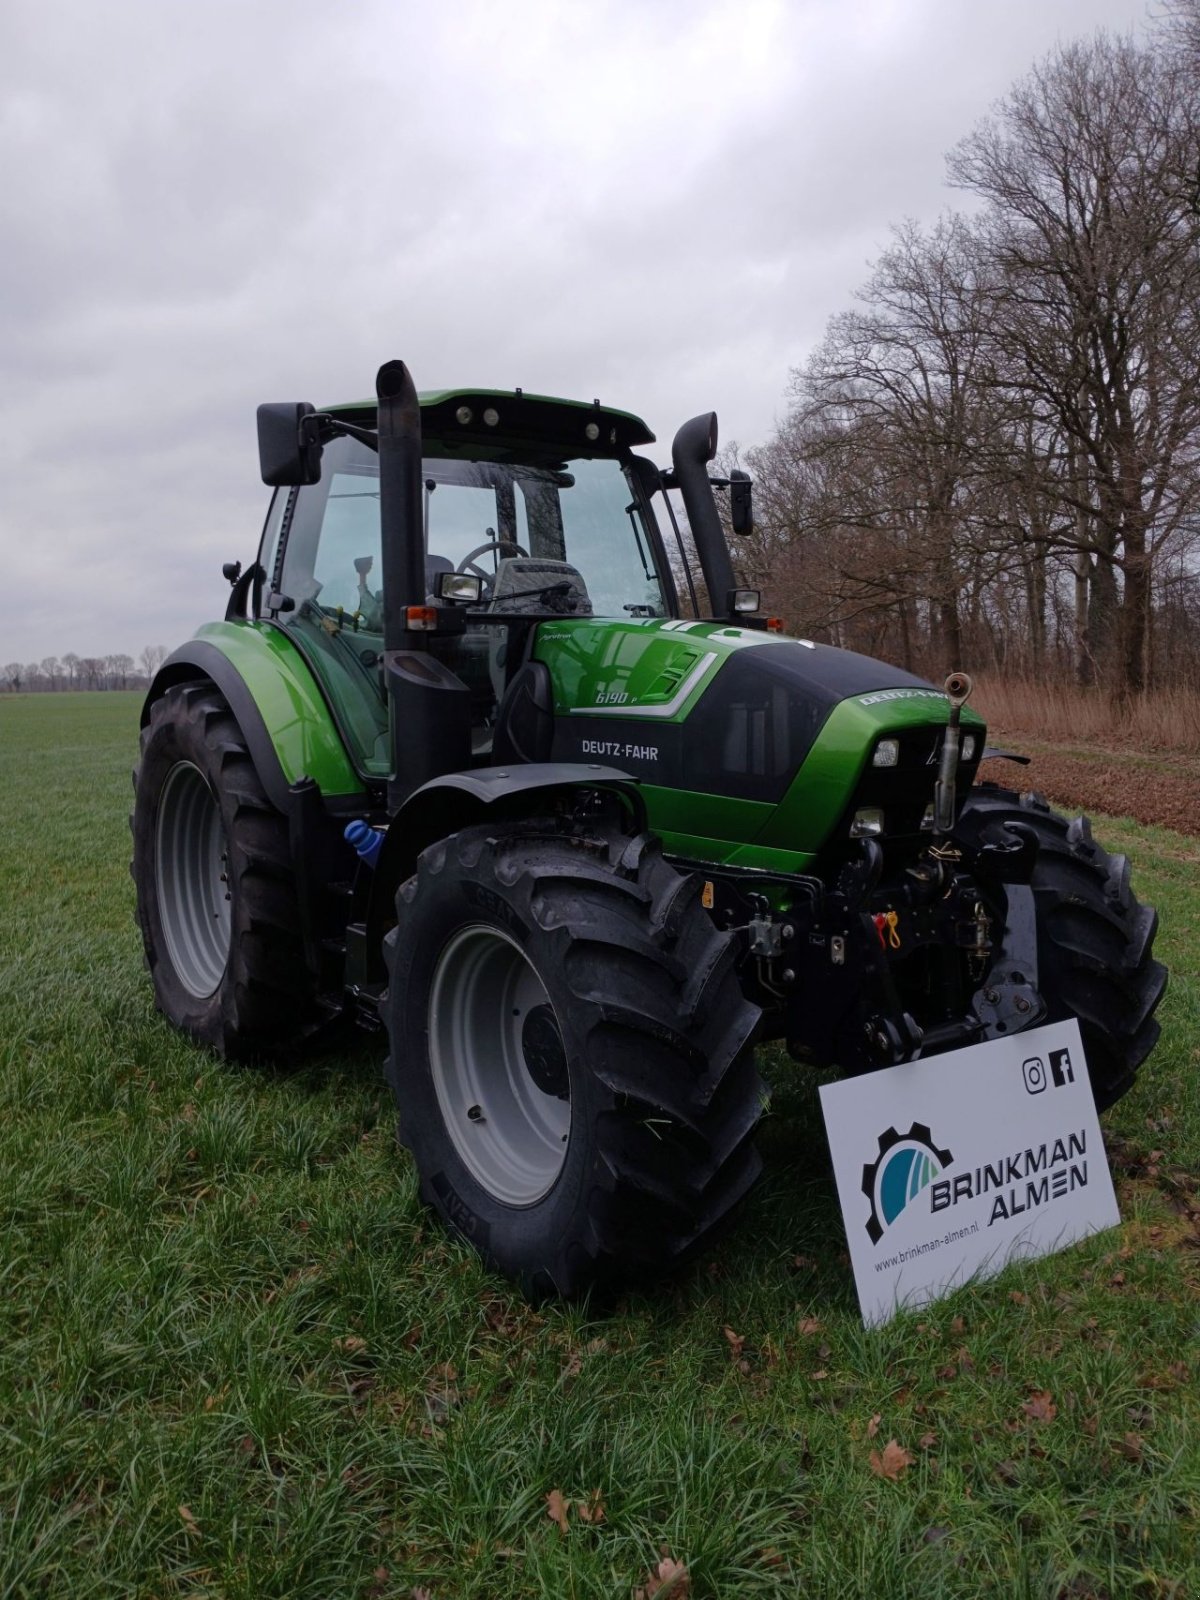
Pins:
x,y
906,1164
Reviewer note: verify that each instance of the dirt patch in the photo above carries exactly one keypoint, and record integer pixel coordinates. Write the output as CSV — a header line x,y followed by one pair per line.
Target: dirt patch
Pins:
x,y
1149,789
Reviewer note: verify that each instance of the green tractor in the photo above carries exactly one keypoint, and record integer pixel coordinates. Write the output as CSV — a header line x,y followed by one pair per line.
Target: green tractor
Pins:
x,y
455,765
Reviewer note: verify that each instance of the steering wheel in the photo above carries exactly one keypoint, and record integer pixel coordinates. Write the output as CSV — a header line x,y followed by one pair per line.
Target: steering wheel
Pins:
x,y
469,562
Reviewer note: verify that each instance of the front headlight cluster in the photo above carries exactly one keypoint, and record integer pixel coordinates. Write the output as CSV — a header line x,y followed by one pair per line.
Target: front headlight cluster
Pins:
x,y
887,751
867,823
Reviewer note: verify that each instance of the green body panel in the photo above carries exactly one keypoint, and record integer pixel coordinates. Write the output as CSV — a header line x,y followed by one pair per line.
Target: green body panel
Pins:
x,y
652,666
654,671
296,715
822,787
708,827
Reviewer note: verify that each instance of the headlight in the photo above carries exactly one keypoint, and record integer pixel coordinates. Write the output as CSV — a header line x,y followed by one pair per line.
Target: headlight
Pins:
x,y
927,820
887,753
968,747
867,823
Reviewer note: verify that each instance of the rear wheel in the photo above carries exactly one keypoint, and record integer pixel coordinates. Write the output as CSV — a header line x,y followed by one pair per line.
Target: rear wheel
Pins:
x,y
570,1053
216,895
1095,940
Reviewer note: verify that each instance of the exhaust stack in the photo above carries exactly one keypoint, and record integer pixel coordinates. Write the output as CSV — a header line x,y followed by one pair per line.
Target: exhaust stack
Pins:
x,y
693,448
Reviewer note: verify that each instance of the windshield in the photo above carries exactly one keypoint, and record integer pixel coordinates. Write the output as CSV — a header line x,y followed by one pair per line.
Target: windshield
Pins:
x,y
553,539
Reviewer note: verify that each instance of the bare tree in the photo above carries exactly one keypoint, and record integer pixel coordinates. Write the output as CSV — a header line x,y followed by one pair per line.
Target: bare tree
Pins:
x,y
889,416
14,674
152,657
1093,304
119,668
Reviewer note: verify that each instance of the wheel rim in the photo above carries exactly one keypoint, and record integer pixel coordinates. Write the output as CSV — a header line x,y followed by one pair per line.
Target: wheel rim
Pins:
x,y
193,894
499,1066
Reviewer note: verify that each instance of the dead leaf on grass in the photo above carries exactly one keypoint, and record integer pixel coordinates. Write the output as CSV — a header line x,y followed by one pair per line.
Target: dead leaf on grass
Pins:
x,y
1130,1447
557,1509
1040,1407
892,1462
668,1581
190,1525
810,1325
736,1342
873,1425
591,1509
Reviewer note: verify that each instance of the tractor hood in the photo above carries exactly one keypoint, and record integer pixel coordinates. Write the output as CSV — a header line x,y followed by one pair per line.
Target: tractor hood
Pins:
x,y
750,746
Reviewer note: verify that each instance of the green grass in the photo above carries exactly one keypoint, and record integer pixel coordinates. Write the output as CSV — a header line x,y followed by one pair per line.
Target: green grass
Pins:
x,y
237,1359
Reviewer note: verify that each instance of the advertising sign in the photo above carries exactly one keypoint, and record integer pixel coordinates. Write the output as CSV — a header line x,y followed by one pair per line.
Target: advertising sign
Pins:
x,y
948,1169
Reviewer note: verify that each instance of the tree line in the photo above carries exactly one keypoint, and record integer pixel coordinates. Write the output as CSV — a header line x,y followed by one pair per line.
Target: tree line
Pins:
x,y
993,459
83,672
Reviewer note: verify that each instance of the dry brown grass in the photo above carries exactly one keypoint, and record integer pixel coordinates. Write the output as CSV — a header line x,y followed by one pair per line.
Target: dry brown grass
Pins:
x,y
1167,719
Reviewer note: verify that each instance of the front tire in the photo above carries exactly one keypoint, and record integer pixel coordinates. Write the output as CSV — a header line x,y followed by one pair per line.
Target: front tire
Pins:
x,y
216,894
1095,940
570,1053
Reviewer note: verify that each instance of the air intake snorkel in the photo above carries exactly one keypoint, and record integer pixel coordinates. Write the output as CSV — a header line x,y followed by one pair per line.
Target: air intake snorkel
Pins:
x,y
958,690
692,449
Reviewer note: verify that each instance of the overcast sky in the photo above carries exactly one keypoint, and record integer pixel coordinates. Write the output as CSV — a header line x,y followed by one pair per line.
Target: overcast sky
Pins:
x,y
203,206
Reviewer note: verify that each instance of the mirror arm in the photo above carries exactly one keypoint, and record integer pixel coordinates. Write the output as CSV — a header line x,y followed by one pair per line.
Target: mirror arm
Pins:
x,y
319,428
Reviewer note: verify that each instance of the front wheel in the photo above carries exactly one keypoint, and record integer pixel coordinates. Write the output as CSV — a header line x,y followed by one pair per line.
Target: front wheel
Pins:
x,y
1095,940
570,1053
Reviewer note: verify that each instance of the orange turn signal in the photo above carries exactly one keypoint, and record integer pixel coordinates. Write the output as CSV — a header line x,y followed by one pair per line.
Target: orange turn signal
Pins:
x,y
774,624
421,619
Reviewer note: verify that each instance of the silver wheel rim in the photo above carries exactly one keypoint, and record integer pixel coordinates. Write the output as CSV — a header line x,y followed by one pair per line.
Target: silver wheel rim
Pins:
x,y
190,867
498,1065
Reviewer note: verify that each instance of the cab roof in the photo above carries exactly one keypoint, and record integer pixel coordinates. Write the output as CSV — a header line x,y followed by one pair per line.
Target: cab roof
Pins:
x,y
454,415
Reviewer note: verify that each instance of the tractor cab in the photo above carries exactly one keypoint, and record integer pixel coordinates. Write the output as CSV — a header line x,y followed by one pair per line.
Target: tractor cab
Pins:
x,y
529,509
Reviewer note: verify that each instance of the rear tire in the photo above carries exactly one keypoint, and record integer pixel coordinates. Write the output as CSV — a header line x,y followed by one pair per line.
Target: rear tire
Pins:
x,y
1095,940
216,894
570,1054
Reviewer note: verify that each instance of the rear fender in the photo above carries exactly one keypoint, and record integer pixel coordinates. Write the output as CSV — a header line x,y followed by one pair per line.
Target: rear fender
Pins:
x,y
284,718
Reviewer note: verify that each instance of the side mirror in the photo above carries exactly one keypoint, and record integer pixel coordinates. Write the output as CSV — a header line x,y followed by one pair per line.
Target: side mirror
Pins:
x,y
741,509
288,452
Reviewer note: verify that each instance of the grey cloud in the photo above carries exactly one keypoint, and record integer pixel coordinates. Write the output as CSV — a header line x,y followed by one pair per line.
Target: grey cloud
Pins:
x,y
204,207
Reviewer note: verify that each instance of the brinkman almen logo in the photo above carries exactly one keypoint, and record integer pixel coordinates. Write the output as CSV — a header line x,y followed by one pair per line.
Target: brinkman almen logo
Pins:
x,y
906,1164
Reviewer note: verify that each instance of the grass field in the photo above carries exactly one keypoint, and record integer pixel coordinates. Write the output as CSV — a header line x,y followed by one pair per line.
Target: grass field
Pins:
x,y
238,1360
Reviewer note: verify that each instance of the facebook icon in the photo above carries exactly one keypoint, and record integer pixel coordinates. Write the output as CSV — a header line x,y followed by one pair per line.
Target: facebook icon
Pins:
x,y
1061,1069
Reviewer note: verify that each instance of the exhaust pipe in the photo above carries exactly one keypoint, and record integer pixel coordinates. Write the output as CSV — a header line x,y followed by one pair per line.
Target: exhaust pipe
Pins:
x,y
693,448
400,492
429,708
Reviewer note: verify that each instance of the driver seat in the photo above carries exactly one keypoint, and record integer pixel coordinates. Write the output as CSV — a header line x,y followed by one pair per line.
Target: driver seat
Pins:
x,y
522,580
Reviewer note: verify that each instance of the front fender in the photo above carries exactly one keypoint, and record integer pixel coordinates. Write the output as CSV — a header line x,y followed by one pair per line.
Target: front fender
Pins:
x,y
457,800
